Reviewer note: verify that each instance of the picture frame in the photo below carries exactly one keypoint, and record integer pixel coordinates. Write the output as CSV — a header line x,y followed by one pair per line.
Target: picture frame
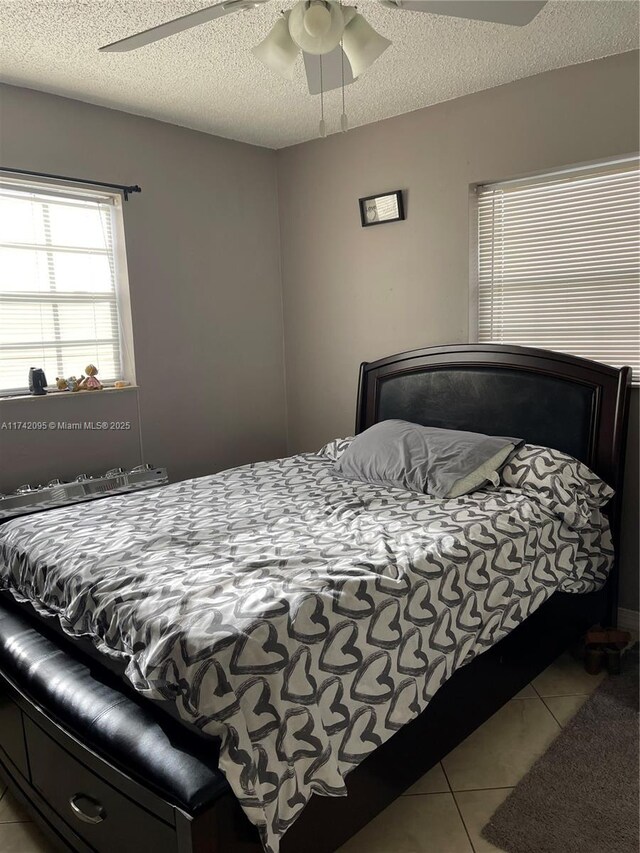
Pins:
x,y
381,208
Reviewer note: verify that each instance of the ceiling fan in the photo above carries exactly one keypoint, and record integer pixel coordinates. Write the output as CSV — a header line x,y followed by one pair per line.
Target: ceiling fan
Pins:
x,y
336,41
326,28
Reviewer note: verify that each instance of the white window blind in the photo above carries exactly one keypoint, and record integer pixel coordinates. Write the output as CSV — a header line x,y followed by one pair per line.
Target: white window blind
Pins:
x,y
559,263
59,268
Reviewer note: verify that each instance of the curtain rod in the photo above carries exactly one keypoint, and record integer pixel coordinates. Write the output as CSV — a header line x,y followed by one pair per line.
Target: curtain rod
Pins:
x,y
125,190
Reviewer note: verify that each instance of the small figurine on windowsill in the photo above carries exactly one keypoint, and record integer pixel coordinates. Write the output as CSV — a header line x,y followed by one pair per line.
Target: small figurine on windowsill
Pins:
x,y
90,382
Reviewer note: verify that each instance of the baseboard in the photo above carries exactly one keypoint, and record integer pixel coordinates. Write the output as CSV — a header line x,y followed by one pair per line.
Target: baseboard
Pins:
x,y
628,620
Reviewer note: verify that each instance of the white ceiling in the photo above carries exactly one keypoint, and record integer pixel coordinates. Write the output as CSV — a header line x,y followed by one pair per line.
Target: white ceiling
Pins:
x,y
207,78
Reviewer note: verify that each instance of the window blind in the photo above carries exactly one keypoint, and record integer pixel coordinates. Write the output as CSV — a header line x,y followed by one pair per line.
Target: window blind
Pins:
x,y
58,284
559,263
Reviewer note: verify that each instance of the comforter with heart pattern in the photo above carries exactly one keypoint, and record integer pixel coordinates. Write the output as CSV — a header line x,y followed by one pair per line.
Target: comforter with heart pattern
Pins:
x,y
301,617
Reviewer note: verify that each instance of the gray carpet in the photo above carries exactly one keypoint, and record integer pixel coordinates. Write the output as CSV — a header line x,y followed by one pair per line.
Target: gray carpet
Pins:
x,y
581,796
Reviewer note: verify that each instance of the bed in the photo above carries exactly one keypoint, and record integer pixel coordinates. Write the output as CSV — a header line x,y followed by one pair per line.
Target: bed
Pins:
x,y
250,695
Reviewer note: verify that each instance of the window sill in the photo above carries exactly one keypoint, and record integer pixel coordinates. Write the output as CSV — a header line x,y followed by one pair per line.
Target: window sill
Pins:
x,y
67,394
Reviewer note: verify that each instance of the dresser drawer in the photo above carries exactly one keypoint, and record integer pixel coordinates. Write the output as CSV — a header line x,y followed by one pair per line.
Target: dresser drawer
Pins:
x,y
12,734
107,820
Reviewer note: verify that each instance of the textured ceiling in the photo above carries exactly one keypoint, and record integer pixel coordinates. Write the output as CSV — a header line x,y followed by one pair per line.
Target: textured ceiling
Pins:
x,y
207,78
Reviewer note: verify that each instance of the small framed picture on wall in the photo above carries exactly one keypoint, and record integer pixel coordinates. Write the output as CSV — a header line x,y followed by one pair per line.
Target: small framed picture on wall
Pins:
x,y
378,209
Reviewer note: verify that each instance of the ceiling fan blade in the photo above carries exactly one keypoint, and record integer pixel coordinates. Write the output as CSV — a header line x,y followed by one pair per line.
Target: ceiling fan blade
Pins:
x,y
171,28
332,64
517,13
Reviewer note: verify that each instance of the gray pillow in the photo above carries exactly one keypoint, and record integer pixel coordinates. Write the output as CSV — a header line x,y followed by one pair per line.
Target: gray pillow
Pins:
x,y
441,462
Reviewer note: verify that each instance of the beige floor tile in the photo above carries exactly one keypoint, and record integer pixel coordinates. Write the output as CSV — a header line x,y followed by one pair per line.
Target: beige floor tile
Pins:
x,y
564,708
433,782
476,808
499,753
527,693
427,824
566,677
23,838
11,811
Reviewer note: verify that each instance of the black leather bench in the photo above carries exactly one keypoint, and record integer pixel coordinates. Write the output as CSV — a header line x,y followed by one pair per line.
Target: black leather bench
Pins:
x,y
69,729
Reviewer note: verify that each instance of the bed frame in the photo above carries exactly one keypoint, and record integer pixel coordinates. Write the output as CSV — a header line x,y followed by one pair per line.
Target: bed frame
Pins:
x,y
568,403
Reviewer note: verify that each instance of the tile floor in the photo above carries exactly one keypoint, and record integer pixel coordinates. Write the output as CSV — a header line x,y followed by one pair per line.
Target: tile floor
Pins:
x,y
446,809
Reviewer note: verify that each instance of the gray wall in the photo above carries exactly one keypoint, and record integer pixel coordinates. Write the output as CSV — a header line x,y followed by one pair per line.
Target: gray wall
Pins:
x,y
353,294
204,272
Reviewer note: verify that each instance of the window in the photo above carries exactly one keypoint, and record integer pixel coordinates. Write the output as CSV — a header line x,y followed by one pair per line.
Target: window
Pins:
x,y
62,273
559,263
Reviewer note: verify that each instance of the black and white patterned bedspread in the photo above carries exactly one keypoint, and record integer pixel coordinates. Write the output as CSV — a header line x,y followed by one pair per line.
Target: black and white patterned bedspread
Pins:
x,y
302,617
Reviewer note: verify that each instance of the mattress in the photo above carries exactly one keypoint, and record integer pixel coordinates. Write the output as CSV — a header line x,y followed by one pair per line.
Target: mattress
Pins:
x,y
300,617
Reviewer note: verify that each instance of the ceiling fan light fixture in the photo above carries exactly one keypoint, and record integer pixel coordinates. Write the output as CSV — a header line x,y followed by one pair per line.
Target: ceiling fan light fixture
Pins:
x,y
317,20
316,26
278,51
362,44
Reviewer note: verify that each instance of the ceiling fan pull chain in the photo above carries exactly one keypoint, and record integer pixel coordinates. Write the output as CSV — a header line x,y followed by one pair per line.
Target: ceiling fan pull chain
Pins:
x,y
323,128
344,121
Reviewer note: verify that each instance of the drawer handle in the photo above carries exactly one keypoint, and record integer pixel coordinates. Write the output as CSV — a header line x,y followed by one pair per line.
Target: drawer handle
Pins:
x,y
99,813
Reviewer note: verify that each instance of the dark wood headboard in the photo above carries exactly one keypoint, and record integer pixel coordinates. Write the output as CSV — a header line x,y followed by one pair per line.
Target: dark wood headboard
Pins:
x,y
547,398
